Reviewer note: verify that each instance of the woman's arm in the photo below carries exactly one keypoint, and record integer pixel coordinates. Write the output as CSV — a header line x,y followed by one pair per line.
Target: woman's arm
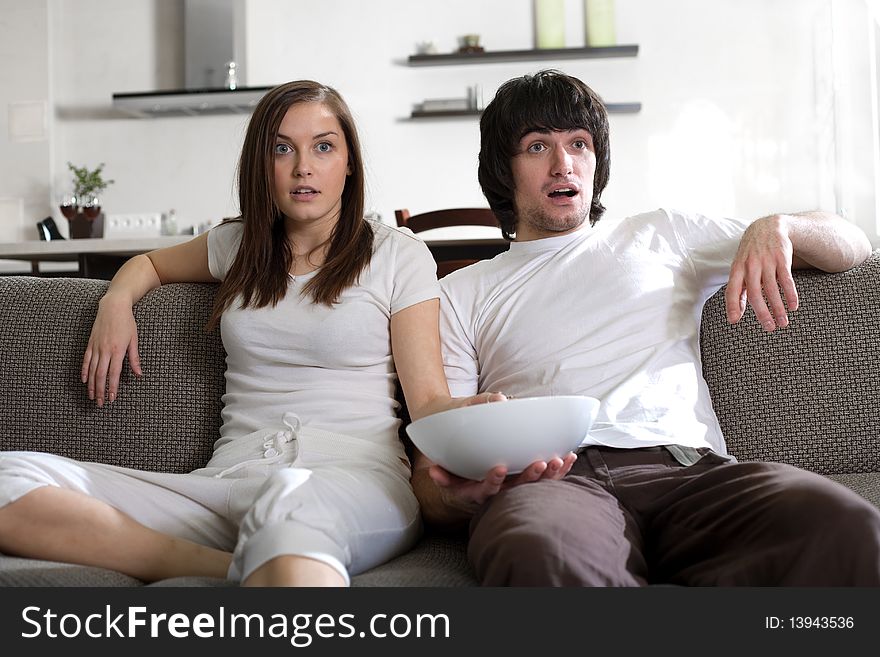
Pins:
x,y
114,332
415,345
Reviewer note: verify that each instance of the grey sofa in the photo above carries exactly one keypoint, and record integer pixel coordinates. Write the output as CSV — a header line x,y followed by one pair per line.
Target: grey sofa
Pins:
x,y
806,396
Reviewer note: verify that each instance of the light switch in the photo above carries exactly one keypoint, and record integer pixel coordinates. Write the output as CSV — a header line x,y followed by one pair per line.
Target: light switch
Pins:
x,y
27,121
146,224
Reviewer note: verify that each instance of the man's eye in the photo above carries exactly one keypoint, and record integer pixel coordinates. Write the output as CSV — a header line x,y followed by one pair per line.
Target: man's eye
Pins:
x,y
324,147
282,149
536,148
580,144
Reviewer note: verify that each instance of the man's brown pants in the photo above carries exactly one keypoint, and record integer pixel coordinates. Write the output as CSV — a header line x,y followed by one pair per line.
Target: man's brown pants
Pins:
x,y
631,517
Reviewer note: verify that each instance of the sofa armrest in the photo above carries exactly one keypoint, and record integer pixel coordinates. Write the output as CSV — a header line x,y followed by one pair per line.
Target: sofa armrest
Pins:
x,y
806,395
166,420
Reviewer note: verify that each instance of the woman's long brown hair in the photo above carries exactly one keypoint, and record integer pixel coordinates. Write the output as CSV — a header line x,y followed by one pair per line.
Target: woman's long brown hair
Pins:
x,y
259,273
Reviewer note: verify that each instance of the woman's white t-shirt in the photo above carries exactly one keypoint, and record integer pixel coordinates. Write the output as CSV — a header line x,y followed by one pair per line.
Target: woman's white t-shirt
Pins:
x,y
331,365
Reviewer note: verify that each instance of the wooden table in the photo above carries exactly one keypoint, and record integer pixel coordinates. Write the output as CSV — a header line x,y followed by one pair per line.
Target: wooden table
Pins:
x,y
101,258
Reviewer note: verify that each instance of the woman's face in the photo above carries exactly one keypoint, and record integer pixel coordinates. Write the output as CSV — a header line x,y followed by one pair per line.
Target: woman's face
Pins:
x,y
311,165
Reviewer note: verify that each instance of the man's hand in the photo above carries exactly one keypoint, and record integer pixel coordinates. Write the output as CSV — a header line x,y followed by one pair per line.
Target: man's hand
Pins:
x,y
761,268
449,500
467,495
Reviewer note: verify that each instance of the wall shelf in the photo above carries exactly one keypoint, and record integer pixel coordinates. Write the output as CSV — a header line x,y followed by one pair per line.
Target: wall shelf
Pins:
x,y
490,56
613,108
443,114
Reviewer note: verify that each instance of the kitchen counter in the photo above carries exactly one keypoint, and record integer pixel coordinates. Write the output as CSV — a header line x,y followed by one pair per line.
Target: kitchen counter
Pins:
x,y
70,249
96,258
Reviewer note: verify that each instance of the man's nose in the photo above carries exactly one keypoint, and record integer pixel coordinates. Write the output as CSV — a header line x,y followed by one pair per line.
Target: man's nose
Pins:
x,y
562,162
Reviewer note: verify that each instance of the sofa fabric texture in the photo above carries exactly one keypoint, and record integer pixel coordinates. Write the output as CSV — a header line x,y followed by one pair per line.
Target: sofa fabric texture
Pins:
x,y
806,395
166,420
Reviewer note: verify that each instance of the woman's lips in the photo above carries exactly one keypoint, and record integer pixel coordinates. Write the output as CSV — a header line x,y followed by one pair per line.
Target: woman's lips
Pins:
x,y
304,193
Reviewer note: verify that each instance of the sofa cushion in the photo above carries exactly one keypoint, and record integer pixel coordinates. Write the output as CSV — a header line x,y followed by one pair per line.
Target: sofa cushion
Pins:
x,y
435,561
15,571
866,484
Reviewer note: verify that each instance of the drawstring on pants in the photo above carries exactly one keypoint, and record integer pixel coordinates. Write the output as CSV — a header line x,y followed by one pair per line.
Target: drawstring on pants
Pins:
x,y
273,446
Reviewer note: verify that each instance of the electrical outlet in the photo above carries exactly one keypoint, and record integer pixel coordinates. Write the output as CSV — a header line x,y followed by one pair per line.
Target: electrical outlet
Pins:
x,y
146,224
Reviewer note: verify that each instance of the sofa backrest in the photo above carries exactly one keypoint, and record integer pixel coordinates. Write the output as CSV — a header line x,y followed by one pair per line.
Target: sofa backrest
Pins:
x,y
809,394
166,420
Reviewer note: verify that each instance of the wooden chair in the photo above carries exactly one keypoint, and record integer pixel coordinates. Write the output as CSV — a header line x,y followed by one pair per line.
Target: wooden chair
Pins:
x,y
447,261
443,218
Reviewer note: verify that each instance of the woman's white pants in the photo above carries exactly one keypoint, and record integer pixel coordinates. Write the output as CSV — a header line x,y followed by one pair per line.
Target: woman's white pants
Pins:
x,y
299,491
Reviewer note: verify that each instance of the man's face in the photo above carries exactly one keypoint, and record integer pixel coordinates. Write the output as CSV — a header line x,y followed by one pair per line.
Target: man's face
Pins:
x,y
553,179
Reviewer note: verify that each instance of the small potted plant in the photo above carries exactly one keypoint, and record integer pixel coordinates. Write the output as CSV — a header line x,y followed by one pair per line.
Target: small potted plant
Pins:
x,y
83,207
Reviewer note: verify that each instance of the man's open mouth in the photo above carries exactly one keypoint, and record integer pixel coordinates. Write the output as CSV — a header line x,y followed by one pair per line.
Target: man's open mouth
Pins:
x,y
563,191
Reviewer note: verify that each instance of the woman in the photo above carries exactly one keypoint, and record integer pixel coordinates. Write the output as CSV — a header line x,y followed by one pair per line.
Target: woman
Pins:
x,y
319,309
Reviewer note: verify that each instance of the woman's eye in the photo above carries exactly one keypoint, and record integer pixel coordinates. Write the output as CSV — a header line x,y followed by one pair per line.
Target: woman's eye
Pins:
x,y
282,149
536,148
324,147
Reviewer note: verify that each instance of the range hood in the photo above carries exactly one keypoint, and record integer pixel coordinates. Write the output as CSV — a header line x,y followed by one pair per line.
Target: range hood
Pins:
x,y
213,37
189,102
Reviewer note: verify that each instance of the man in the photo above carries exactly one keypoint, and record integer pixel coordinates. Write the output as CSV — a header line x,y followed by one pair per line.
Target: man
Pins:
x,y
611,310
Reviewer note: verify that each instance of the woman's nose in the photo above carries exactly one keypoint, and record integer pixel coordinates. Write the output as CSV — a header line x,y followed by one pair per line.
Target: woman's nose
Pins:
x,y
302,167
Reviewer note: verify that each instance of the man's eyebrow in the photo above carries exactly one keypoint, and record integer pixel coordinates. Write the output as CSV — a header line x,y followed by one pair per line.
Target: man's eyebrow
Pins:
x,y
540,131
546,131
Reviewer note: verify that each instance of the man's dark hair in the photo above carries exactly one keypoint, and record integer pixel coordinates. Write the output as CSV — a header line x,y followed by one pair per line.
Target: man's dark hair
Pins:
x,y
547,100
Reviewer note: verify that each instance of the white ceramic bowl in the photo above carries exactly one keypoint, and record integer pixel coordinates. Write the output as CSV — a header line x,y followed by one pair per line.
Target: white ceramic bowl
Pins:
x,y
472,440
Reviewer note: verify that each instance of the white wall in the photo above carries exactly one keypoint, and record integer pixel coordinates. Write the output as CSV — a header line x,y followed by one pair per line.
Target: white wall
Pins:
x,y
727,88
738,100
157,164
855,124
24,90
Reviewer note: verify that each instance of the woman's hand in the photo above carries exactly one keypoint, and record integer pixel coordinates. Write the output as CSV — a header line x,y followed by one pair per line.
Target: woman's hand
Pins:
x,y
482,398
114,334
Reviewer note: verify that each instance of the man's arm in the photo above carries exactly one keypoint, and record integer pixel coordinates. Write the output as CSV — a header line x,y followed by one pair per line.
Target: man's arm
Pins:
x,y
450,508
774,245
825,241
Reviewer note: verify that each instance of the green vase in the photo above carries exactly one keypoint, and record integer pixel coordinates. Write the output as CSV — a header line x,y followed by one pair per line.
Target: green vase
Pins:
x,y
599,23
550,23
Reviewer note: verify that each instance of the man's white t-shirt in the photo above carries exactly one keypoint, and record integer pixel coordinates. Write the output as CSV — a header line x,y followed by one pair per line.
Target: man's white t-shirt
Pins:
x,y
331,365
610,312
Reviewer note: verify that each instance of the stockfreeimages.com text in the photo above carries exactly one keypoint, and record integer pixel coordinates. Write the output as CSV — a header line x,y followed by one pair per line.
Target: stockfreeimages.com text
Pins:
x,y
300,629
